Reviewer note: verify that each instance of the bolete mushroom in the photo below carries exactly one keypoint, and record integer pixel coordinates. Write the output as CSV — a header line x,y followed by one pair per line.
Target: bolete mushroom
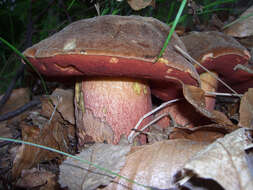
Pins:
x,y
218,53
112,59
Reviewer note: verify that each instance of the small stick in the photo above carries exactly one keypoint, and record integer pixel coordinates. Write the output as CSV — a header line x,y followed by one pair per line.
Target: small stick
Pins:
x,y
149,124
19,110
130,137
208,93
55,107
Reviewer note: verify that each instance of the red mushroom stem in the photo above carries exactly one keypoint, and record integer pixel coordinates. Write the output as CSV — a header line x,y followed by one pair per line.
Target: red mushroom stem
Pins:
x,y
111,107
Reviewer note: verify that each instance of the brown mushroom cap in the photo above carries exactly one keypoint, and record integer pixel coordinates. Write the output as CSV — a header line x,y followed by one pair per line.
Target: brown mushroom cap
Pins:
x,y
118,46
220,53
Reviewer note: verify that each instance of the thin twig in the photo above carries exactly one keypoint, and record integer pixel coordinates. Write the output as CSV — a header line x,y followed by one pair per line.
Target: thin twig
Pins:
x,y
19,110
208,93
59,99
150,123
130,137
187,56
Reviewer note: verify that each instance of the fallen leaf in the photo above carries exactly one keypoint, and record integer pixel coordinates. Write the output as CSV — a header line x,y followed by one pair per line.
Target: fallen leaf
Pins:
x,y
207,133
64,102
34,178
244,27
154,165
51,135
78,175
196,96
140,4
223,161
249,159
246,110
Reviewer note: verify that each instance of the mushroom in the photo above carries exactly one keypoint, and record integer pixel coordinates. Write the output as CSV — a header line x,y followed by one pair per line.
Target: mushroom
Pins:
x,y
112,58
218,53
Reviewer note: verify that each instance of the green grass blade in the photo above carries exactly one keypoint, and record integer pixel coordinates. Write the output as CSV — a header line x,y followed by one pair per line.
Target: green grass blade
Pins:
x,y
171,10
71,4
26,61
181,8
181,19
216,3
76,158
212,10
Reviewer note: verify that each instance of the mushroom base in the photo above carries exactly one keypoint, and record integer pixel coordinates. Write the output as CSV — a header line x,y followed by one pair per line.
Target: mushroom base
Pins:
x,y
108,108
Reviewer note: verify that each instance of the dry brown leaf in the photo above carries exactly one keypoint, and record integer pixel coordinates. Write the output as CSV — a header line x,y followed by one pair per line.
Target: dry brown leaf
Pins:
x,y
247,42
224,161
140,4
246,110
52,135
249,158
154,165
203,133
78,175
35,178
5,131
244,27
196,96
151,165
64,100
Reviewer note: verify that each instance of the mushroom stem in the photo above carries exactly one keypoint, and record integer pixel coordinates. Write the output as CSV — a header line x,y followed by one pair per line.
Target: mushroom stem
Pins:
x,y
108,108
209,83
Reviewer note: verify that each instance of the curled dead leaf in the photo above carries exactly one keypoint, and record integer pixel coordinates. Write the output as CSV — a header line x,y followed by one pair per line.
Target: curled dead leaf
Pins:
x,y
154,165
79,175
196,96
244,27
35,178
63,99
140,4
223,161
151,165
52,135
207,133
246,110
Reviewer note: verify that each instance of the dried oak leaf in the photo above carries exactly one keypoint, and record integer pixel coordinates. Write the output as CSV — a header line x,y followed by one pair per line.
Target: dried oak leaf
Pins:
x,y
244,27
140,4
34,178
196,96
63,99
78,175
246,110
249,158
206,133
223,161
154,165
52,135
